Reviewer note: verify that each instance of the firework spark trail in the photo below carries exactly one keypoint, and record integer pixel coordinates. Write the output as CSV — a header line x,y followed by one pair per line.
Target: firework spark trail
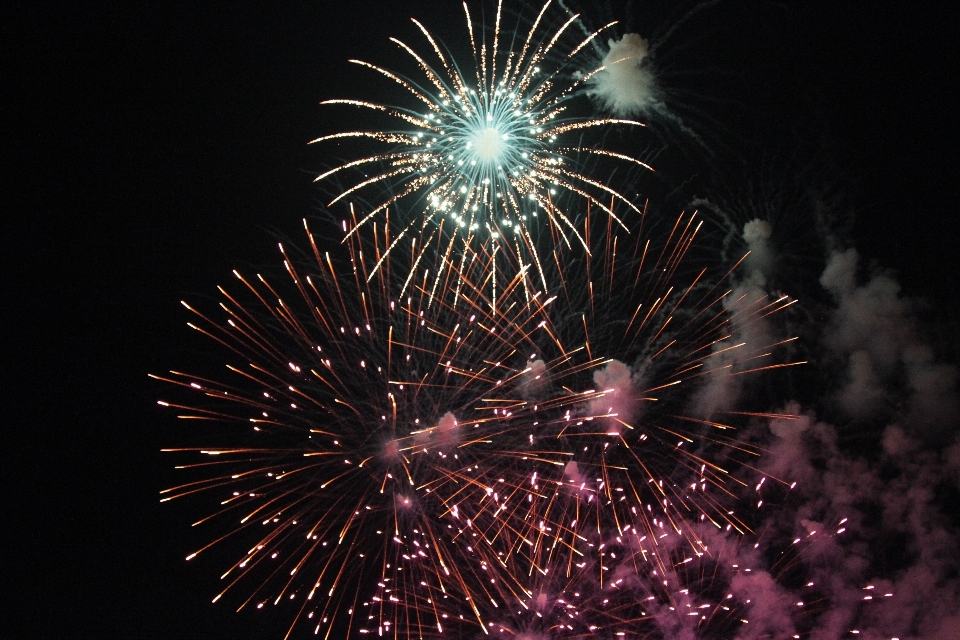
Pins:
x,y
514,402
493,155
459,424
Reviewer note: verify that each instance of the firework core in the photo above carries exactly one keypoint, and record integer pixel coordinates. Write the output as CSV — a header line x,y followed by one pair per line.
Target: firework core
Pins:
x,y
489,144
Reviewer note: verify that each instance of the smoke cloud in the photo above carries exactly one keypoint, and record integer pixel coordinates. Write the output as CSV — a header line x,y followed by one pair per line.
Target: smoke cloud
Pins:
x,y
617,399
626,86
871,517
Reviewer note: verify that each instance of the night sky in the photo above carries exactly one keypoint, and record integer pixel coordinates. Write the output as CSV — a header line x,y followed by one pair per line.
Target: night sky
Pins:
x,y
152,148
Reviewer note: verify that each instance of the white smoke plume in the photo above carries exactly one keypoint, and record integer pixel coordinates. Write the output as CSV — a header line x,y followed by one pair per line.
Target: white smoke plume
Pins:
x,y
627,85
533,381
572,473
756,234
617,399
444,435
873,328
749,331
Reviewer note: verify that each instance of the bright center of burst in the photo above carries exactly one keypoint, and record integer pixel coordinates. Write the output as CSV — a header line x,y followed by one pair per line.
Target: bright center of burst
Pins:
x,y
489,143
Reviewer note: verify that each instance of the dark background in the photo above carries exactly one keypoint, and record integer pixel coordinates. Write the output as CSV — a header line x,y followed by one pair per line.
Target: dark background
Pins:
x,y
149,147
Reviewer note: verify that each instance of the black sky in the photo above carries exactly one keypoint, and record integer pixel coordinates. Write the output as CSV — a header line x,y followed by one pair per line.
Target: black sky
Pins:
x,y
150,147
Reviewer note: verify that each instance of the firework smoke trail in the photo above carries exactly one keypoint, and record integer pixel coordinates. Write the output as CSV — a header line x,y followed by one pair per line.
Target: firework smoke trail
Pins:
x,y
494,149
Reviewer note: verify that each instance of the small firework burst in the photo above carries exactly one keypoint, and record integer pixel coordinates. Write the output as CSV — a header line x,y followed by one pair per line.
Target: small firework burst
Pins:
x,y
494,149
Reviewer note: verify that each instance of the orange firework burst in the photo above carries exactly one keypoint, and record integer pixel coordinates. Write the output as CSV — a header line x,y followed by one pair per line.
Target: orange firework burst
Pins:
x,y
403,450
352,405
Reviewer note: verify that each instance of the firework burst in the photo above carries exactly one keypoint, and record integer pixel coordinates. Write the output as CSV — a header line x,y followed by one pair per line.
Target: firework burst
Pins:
x,y
395,462
353,413
494,150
